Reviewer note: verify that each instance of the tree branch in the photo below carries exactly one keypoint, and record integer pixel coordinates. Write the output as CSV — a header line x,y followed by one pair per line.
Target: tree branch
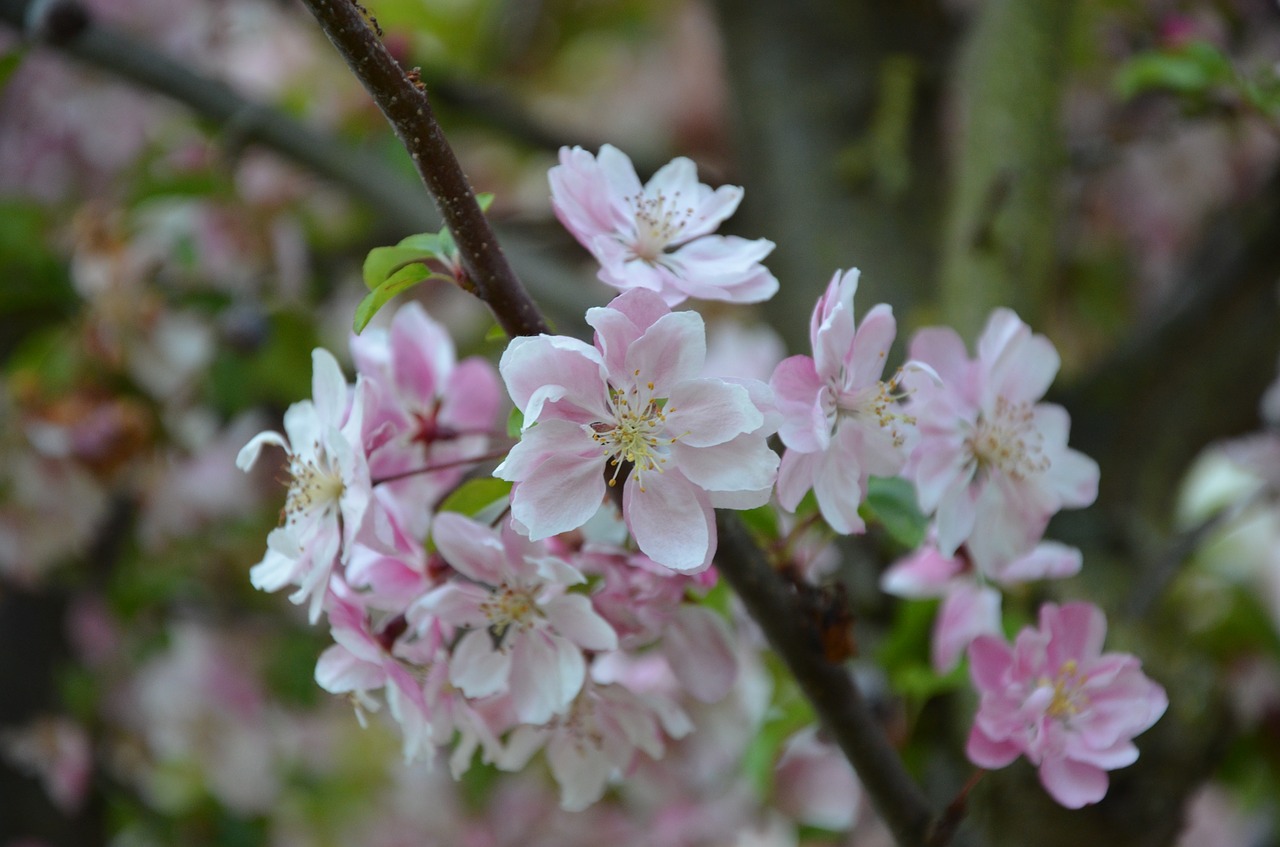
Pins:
x,y
405,104
828,686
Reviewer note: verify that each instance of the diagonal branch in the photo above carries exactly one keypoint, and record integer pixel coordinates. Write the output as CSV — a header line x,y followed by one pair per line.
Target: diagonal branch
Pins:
x,y
829,686
405,104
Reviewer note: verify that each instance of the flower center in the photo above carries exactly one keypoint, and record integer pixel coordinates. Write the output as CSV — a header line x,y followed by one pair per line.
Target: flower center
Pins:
x,y
314,486
1069,698
875,404
637,433
1009,441
508,606
659,222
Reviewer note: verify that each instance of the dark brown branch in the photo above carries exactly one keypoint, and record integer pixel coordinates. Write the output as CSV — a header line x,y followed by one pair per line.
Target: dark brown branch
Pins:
x,y
408,109
828,686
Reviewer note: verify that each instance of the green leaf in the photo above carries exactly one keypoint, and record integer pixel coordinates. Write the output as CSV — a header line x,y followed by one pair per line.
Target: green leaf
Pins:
x,y
515,423
484,199
384,262
891,502
9,63
400,281
762,521
1190,70
474,495
789,712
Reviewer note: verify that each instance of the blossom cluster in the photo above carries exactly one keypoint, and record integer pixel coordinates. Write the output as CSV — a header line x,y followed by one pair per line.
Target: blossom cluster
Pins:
x,y
492,641
523,624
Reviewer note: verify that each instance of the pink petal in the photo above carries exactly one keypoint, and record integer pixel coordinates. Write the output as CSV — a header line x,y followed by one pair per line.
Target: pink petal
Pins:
x,y
986,752
1073,784
547,672
470,547
670,521
796,475
670,352
698,647
472,396
743,464
926,573
422,353
573,616
866,356
477,668
706,412
455,603
338,672
967,612
798,391
328,387
1077,632
529,364
839,492
562,494
942,349
990,660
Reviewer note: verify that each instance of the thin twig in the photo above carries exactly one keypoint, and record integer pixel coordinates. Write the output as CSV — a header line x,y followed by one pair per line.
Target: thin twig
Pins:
x,y
404,102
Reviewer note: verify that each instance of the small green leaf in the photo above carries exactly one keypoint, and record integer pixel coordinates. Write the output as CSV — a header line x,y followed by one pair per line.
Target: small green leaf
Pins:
x,y
474,495
1190,70
400,281
484,199
891,502
383,263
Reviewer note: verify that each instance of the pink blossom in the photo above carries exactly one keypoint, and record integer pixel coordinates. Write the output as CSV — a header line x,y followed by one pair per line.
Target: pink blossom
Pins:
x,y
426,410
361,661
815,784
596,739
971,601
525,634
1056,698
633,405
329,487
840,421
658,236
646,603
992,462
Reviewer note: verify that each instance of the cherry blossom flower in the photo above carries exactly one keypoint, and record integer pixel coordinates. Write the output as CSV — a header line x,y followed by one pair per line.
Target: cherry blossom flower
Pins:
x,y
1056,698
658,236
992,462
815,784
360,661
426,410
596,739
633,407
645,604
329,487
840,421
525,634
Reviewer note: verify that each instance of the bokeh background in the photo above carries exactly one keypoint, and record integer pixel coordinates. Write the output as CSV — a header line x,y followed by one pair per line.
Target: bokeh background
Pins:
x,y
187,192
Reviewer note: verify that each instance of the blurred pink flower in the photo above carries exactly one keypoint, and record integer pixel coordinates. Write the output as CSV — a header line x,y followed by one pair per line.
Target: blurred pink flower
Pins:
x,y
1056,698
658,236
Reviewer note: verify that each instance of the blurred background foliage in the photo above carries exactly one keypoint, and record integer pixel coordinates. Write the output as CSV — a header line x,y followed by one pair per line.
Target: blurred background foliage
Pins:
x,y
188,191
